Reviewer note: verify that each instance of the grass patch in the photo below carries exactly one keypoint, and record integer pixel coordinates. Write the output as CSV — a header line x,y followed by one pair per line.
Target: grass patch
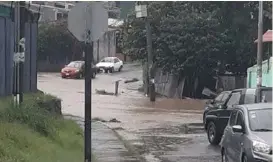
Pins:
x,y
35,132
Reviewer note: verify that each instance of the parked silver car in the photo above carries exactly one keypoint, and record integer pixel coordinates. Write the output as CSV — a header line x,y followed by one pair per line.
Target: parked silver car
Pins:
x,y
248,135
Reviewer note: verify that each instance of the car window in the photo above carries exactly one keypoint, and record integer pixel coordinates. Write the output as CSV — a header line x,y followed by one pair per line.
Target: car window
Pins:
x,y
107,59
240,119
249,99
116,60
266,95
225,97
234,99
75,64
232,118
249,96
219,97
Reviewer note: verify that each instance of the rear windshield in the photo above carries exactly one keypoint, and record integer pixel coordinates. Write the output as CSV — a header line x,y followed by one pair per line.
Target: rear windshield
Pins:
x,y
266,95
75,64
107,59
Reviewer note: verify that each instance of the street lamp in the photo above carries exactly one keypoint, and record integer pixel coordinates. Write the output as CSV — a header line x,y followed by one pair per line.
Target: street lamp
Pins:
x,y
141,12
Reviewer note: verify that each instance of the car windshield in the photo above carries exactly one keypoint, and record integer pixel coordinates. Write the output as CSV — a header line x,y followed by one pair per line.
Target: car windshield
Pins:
x,y
266,95
260,120
74,64
107,59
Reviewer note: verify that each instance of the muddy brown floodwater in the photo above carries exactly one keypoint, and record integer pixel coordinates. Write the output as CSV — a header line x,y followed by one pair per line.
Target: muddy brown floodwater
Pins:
x,y
160,127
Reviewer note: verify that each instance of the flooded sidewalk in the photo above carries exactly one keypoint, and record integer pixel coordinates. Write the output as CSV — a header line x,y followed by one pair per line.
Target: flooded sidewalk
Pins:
x,y
106,144
107,147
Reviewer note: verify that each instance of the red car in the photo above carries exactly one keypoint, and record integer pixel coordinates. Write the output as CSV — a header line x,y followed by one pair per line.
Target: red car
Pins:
x,y
75,69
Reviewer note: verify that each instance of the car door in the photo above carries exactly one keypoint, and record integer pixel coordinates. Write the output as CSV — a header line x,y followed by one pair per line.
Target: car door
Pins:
x,y
222,112
214,108
227,138
237,138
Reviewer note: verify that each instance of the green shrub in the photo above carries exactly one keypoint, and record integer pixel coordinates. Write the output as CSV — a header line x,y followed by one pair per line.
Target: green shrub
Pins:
x,y
36,131
34,112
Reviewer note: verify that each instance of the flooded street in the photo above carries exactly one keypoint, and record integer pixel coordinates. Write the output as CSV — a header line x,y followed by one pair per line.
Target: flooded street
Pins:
x,y
167,130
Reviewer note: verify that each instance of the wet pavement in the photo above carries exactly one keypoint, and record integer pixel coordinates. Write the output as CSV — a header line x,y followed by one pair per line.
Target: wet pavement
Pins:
x,y
158,131
106,146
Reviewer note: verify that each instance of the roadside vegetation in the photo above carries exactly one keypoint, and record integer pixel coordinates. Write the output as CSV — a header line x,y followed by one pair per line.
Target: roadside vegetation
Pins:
x,y
193,39
36,131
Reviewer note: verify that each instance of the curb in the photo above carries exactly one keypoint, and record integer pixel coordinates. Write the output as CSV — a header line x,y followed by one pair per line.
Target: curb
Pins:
x,y
126,144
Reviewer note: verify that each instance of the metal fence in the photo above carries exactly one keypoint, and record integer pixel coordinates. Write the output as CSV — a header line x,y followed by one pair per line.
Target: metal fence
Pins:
x,y
6,56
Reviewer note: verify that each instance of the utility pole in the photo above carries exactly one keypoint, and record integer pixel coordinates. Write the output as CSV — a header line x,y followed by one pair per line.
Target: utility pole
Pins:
x,y
22,48
141,12
18,70
260,46
150,76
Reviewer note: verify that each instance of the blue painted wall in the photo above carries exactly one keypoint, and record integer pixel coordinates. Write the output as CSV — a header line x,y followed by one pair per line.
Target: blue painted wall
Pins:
x,y
6,56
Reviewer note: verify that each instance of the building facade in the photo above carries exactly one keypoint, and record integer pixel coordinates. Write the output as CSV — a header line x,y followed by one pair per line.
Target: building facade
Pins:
x,y
54,10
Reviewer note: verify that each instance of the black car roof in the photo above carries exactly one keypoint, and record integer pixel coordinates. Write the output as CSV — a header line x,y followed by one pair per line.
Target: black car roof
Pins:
x,y
256,106
251,88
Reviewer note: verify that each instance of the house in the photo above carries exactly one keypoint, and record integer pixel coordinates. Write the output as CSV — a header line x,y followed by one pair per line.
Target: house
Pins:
x,y
57,10
266,67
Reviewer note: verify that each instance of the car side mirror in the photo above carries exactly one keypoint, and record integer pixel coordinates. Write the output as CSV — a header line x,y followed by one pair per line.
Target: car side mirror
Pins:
x,y
237,128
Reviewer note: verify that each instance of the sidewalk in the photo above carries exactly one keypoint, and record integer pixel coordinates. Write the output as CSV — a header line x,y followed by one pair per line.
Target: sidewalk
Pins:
x,y
106,146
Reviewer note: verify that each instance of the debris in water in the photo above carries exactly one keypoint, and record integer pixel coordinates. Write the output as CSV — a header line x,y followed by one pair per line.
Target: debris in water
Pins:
x,y
98,119
131,80
103,92
114,120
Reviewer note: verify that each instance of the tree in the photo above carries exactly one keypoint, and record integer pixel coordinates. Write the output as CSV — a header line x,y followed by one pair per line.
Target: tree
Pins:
x,y
180,37
55,42
193,38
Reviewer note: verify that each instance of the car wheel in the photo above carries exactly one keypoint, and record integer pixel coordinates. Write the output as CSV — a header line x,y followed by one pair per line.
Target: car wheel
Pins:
x,y
214,136
120,68
224,156
111,70
80,76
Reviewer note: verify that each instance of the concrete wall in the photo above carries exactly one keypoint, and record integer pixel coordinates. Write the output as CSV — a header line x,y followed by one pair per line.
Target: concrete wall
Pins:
x,y
233,82
7,52
106,46
169,85
172,86
123,57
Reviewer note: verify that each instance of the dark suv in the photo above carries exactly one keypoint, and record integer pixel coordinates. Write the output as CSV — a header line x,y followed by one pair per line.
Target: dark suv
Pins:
x,y
217,111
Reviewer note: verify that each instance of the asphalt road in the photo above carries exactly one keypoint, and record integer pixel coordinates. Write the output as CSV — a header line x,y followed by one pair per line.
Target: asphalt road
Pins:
x,y
157,127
